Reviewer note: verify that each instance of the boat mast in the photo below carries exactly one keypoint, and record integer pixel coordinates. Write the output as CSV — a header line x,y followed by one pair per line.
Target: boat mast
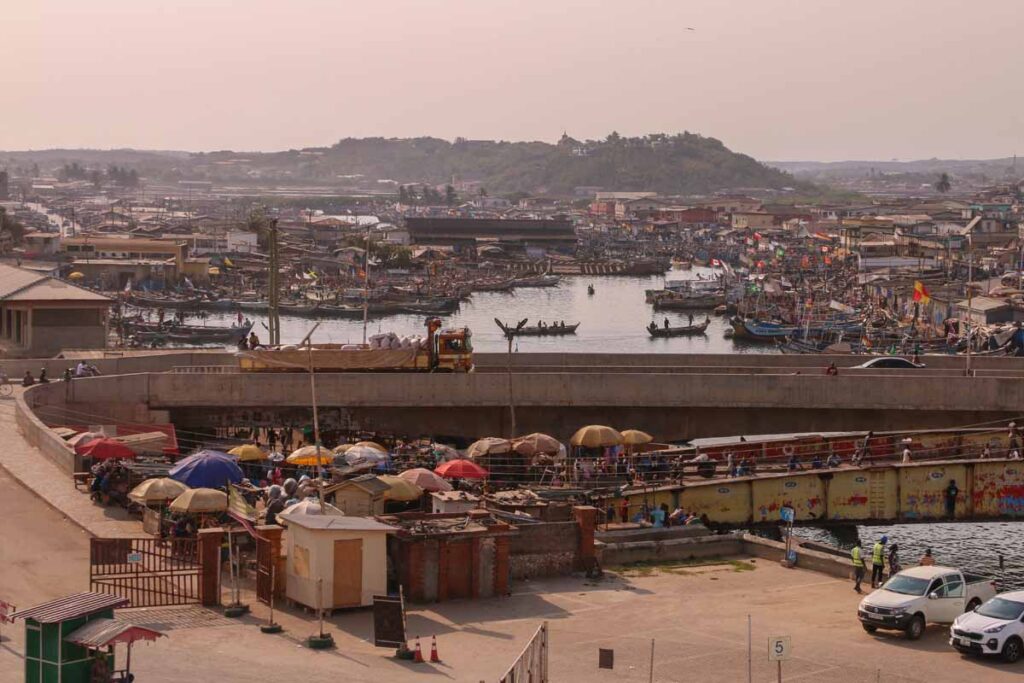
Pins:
x,y
273,314
366,283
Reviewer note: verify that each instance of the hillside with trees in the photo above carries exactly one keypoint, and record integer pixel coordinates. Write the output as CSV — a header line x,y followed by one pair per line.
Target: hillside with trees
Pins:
x,y
671,164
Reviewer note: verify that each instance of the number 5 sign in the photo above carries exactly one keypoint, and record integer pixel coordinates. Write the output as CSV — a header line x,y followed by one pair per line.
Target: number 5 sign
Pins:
x,y
780,648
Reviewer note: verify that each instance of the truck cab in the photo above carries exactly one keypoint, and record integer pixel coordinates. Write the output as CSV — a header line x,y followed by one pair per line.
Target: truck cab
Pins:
x,y
919,596
451,350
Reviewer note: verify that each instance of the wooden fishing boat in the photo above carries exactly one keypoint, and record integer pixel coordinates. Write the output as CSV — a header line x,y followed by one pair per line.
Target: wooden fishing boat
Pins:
x,y
681,331
188,334
546,331
688,302
537,281
150,301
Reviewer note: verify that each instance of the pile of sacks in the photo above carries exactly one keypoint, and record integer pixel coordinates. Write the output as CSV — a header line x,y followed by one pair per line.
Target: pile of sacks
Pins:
x,y
393,342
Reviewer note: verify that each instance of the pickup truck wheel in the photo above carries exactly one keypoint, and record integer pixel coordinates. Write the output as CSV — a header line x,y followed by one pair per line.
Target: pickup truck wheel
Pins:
x,y
869,628
915,628
973,605
1013,650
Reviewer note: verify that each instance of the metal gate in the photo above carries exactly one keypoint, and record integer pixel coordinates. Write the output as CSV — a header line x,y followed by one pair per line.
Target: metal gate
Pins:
x,y
149,572
532,664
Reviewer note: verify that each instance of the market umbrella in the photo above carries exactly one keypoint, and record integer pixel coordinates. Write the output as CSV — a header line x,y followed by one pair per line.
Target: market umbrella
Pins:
x,y
308,456
400,489
158,490
105,449
361,454
536,444
634,437
210,469
311,506
461,469
248,453
372,444
75,275
491,445
596,436
83,438
200,500
426,480
341,449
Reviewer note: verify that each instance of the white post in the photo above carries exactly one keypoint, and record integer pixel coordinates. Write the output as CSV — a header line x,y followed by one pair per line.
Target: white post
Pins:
x,y
750,653
970,299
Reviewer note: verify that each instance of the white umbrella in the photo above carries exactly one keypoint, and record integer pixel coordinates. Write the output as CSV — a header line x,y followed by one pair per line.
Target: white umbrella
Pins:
x,y
361,454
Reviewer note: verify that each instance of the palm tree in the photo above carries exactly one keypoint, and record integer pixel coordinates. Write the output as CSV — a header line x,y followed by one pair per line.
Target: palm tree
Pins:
x,y
943,184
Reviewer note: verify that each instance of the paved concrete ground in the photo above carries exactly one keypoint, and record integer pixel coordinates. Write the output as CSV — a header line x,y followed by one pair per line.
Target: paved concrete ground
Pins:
x,y
26,464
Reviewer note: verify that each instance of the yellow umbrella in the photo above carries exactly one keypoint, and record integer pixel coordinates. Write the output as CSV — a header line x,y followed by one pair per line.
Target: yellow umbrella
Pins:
x,y
213,271
635,437
307,457
400,489
342,449
158,490
372,444
596,436
200,500
248,453
76,275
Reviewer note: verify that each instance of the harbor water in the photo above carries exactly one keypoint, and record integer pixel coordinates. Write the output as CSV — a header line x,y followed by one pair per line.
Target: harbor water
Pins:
x,y
971,546
612,320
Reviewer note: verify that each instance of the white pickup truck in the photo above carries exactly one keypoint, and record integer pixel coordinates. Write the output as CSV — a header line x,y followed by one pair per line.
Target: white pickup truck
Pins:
x,y
923,595
994,628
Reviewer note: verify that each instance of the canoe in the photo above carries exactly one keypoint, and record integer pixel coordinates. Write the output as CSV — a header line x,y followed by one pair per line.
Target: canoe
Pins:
x,y
551,331
683,303
682,331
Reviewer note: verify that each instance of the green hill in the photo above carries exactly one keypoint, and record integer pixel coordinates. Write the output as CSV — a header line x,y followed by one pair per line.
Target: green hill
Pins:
x,y
672,164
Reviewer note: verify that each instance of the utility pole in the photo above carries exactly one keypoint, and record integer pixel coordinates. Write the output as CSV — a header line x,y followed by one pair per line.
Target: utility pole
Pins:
x,y
366,283
273,315
510,334
970,299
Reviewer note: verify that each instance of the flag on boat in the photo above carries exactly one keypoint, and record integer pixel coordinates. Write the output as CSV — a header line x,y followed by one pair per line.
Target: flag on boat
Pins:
x,y
757,235
715,263
921,294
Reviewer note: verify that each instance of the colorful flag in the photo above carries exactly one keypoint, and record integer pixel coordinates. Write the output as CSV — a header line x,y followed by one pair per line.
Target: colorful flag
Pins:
x,y
921,294
715,263
757,235
240,511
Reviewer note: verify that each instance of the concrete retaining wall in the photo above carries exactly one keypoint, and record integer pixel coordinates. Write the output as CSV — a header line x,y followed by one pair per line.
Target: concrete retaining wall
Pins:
x,y
41,436
675,549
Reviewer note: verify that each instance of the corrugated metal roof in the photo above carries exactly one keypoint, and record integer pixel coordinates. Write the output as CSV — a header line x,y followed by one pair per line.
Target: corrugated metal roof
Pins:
x,y
103,632
336,523
14,279
71,607
50,289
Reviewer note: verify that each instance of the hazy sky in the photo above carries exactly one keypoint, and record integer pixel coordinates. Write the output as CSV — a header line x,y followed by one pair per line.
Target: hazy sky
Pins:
x,y
777,79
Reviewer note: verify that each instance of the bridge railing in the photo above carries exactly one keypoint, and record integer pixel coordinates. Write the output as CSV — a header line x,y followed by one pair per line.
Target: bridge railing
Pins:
x,y
205,369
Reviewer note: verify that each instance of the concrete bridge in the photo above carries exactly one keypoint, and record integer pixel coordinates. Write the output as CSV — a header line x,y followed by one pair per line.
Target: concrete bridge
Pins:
x,y
672,396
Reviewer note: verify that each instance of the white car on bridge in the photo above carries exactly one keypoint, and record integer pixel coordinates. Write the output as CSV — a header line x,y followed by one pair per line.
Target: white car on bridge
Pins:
x,y
923,595
994,628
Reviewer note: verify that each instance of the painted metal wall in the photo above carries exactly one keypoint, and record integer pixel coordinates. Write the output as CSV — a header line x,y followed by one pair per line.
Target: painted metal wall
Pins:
x,y
987,489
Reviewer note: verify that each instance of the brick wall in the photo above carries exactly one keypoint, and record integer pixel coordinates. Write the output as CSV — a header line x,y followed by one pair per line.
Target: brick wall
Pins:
x,y
546,549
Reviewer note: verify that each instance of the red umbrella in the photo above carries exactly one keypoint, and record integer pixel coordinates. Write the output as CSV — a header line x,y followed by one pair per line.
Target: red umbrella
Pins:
x,y
105,449
461,469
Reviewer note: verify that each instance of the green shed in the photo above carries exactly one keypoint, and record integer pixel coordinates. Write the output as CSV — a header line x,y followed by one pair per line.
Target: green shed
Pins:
x,y
48,657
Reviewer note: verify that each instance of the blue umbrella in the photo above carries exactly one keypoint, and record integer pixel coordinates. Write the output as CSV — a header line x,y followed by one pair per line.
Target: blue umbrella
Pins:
x,y
207,469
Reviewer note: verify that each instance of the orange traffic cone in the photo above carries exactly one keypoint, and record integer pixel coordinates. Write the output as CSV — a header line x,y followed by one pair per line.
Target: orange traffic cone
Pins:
x,y
433,649
418,655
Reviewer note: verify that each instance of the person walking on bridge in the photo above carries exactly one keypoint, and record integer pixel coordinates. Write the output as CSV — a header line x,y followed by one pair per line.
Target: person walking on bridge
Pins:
x,y
878,562
857,557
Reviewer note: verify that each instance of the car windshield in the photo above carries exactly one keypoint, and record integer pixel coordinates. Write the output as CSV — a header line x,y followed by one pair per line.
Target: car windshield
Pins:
x,y
907,585
1000,608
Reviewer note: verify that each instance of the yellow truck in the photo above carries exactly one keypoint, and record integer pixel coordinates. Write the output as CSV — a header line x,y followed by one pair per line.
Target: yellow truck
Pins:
x,y
448,350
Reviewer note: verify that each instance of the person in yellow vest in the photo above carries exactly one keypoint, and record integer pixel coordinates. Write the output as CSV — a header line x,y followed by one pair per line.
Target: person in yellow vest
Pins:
x,y
857,557
878,562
